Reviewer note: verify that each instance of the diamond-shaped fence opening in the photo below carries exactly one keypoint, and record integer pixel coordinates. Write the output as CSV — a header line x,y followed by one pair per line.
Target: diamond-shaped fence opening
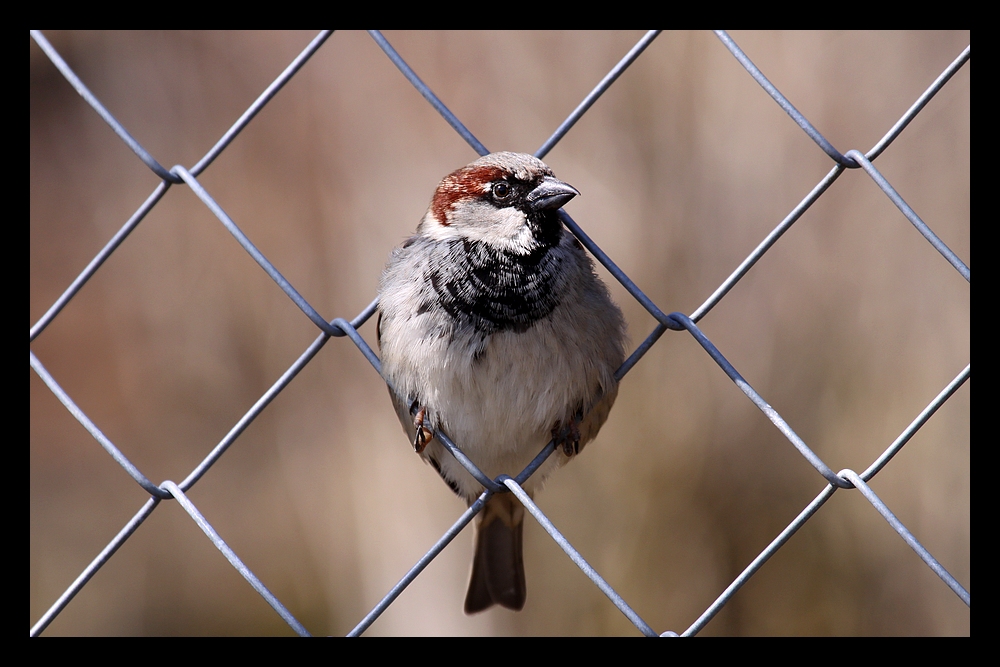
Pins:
x,y
830,336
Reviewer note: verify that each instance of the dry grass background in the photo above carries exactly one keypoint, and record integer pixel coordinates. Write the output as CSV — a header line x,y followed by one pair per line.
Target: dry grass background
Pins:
x,y
849,327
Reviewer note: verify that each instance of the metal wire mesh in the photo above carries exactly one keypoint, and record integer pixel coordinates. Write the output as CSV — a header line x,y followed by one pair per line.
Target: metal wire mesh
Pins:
x,y
340,327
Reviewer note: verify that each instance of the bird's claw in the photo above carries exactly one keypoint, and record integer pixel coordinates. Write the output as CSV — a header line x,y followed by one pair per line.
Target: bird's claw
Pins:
x,y
567,436
423,434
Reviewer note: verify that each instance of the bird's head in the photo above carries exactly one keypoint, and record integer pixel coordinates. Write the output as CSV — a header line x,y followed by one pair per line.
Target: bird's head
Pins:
x,y
508,200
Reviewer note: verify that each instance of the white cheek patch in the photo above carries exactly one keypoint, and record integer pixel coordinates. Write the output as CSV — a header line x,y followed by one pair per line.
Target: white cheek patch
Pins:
x,y
431,227
520,243
505,228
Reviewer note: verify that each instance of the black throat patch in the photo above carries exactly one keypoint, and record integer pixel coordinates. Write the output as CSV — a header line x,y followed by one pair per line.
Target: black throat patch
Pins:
x,y
494,290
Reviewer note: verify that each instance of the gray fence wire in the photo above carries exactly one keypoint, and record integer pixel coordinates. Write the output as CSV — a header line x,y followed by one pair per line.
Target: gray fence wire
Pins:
x,y
339,327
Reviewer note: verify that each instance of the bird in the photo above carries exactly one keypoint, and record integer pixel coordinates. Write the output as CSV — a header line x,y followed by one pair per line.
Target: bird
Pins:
x,y
494,328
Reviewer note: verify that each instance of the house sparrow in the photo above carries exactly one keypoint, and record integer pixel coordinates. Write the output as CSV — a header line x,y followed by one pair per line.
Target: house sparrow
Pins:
x,y
494,329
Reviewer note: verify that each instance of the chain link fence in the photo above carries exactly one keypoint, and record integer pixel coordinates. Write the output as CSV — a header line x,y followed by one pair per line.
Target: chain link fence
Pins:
x,y
340,327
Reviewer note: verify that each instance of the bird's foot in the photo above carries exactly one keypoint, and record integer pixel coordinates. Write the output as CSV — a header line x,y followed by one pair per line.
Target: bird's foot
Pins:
x,y
567,436
423,434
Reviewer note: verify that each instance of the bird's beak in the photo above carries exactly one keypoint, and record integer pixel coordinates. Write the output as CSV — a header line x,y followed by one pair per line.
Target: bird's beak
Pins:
x,y
551,193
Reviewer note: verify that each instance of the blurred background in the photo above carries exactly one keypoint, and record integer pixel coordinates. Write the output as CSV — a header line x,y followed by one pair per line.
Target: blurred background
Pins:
x,y
849,327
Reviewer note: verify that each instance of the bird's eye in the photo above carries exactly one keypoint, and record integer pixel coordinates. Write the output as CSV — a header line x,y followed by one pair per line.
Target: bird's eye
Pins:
x,y
501,190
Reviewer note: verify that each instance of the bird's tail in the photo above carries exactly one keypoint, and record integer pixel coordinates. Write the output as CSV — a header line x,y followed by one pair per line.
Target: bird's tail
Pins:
x,y
498,566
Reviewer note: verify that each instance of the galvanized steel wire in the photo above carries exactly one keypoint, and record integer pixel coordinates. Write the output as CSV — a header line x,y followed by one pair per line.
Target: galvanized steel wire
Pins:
x,y
340,327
